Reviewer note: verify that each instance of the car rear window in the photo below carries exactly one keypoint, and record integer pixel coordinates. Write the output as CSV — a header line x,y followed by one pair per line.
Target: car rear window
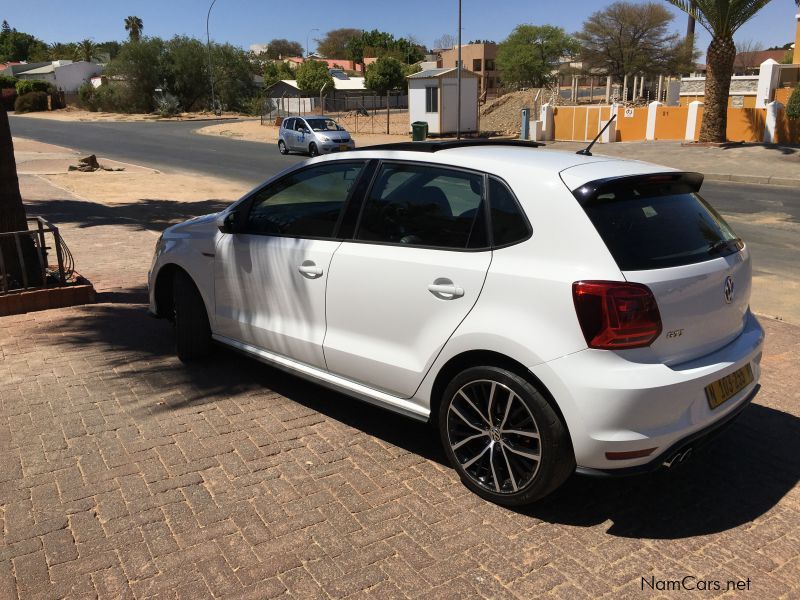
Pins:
x,y
655,226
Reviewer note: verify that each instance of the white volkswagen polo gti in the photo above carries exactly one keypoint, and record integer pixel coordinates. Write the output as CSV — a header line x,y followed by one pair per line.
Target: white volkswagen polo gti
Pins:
x,y
546,311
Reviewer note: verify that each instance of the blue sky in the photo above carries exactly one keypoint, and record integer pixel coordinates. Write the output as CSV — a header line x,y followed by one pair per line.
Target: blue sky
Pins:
x,y
245,22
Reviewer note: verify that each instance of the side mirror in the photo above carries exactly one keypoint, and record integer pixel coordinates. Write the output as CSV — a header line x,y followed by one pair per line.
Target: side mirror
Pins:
x,y
228,222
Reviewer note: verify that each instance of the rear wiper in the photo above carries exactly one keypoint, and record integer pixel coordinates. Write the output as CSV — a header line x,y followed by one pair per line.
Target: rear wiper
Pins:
x,y
724,245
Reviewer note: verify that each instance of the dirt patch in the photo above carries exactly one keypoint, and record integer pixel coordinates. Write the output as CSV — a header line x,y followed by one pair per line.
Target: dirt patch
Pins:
x,y
502,115
253,131
77,114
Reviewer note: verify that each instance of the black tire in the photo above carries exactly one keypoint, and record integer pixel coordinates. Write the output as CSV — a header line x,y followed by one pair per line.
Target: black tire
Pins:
x,y
282,148
192,330
510,476
313,150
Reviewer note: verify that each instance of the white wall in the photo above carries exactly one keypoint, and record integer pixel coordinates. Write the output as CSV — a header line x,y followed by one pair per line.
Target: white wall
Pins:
x,y
72,76
416,104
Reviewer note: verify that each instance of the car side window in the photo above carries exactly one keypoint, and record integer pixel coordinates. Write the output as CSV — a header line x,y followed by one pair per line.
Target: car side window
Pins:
x,y
423,205
288,124
509,225
299,125
306,203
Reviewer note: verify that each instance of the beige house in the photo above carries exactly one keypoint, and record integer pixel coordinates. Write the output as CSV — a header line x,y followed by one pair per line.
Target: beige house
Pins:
x,y
480,59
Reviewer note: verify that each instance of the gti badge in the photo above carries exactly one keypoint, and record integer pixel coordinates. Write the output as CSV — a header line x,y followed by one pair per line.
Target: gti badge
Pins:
x,y
729,290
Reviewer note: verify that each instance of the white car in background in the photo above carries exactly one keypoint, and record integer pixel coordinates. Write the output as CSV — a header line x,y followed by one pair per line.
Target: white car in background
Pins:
x,y
313,136
546,311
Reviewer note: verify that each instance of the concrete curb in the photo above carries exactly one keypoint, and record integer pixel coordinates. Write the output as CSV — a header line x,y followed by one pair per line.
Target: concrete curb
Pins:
x,y
757,179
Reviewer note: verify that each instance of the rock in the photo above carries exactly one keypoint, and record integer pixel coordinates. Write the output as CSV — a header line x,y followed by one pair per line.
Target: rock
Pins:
x,y
89,161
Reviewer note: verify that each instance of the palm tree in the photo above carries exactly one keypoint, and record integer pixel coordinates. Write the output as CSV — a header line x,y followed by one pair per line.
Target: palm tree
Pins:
x,y
722,18
134,26
86,50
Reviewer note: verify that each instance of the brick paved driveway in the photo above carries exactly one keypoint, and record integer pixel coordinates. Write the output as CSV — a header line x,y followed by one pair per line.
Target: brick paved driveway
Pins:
x,y
127,474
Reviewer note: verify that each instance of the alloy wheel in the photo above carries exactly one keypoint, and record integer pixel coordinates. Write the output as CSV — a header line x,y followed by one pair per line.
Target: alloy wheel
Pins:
x,y
494,436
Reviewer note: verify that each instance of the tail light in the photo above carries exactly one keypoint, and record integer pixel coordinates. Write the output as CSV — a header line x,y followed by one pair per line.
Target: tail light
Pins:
x,y
616,315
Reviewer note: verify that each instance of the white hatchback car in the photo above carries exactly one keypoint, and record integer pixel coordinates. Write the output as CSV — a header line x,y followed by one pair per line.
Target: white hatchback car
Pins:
x,y
544,310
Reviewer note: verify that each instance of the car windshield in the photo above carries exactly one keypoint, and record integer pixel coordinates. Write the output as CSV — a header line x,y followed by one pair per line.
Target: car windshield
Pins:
x,y
322,124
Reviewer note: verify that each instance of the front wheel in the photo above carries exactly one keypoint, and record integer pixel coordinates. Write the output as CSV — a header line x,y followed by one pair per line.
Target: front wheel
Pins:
x,y
282,148
503,438
313,150
192,330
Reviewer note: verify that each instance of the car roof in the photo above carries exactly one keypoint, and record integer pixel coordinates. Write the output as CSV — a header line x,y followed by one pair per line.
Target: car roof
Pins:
x,y
537,163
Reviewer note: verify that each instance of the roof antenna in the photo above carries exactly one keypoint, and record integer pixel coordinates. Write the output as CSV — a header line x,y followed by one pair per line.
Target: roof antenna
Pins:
x,y
588,150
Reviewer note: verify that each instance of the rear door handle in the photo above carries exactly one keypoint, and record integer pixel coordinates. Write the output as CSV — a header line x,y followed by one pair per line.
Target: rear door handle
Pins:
x,y
310,269
445,291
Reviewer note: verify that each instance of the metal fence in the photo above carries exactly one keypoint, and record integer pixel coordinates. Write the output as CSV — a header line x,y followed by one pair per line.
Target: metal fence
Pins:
x,y
36,238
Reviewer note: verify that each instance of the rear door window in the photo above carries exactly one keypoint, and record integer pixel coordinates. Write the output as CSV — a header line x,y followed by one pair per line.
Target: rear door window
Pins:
x,y
509,225
655,226
428,206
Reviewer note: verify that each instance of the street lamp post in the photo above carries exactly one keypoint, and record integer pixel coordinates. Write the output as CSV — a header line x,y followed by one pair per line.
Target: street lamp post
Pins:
x,y
458,65
211,60
307,35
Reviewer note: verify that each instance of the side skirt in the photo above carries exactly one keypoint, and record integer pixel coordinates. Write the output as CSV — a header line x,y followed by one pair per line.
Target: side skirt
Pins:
x,y
329,380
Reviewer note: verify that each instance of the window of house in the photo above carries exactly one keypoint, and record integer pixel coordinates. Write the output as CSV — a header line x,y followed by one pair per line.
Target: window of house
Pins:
x,y
476,64
306,203
432,100
425,206
490,64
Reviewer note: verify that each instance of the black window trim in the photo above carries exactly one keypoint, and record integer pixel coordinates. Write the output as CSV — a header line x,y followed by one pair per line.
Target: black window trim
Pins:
x,y
247,204
521,210
381,163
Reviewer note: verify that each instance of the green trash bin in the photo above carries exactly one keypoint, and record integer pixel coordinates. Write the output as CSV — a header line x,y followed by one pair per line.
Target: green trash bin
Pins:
x,y
419,131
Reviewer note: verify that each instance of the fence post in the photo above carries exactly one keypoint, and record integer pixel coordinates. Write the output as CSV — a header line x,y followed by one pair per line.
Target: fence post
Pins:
x,y
652,115
610,134
546,117
771,123
691,120
768,75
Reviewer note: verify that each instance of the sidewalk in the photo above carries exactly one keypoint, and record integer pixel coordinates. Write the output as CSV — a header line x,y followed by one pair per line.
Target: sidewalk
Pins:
x,y
751,163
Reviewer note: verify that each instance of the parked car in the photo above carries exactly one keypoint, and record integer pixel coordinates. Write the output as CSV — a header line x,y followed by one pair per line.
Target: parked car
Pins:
x,y
313,135
546,311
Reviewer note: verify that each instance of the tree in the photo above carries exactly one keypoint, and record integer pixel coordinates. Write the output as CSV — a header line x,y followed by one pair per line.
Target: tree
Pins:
x,y
111,48
283,48
12,212
721,18
312,76
747,55
139,67
793,105
626,38
334,44
233,76
186,71
530,56
274,71
134,26
445,42
85,50
385,74
59,51
18,46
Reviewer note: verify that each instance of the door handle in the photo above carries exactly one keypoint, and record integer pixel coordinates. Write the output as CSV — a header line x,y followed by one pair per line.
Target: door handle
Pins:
x,y
309,269
446,292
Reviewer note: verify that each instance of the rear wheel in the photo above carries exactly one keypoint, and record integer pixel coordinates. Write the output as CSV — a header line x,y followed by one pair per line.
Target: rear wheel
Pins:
x,y
282,147
503,437
313,150
192,330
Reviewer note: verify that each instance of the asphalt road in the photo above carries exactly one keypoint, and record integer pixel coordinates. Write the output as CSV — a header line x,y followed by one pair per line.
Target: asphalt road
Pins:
x,y
767,217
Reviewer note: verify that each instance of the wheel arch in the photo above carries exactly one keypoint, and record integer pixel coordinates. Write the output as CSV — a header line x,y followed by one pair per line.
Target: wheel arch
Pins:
x,y
485,358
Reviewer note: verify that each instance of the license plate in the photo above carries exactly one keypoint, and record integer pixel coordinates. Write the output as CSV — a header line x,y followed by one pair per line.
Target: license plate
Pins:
x,y
343,147
726,388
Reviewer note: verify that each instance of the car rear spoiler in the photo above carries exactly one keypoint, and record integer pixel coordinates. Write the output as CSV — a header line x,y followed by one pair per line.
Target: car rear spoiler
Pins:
x,y
669,182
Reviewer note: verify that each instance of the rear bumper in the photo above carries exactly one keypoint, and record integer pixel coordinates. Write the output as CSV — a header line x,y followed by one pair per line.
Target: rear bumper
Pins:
x,y
614,405
680,450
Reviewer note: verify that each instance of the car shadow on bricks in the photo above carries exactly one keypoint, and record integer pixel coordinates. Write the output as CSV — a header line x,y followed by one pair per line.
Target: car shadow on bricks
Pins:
x,y
136,345
738,477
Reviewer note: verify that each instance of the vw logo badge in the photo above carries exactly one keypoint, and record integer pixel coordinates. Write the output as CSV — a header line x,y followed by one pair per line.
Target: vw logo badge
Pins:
x,y
729,290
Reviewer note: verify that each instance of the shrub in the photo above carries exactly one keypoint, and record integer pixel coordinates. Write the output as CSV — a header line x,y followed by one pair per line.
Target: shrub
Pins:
x,y
31,102
793,105
26,86
7,81
108,98
167,105
253,106
86,97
